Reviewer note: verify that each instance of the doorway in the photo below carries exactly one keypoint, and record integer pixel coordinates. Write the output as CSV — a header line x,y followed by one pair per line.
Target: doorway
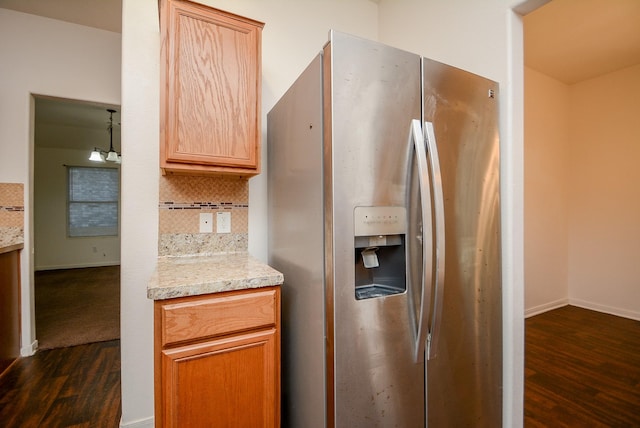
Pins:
x,y
581,201
581,210
76,223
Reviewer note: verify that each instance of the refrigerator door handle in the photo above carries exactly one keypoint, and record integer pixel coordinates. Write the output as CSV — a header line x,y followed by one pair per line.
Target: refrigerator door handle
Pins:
x,y
439,232
426,243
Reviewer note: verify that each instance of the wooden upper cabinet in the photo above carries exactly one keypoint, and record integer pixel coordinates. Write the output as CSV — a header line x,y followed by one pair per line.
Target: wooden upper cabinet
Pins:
x,y
210,90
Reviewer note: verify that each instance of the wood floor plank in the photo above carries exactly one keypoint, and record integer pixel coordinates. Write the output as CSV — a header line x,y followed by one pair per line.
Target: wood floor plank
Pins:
x,y
77,386
582,368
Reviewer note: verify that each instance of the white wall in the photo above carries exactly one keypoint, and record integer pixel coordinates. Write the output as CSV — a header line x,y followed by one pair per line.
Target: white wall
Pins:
x,y
53,248
46,57
140,178
546,249
484,38
582,233
604,202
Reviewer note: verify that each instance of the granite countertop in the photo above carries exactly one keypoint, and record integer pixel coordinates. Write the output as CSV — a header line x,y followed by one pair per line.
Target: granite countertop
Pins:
x,y
11,239
196,275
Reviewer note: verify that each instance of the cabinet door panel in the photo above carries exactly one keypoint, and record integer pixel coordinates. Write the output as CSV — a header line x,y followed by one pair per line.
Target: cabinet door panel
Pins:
x,y
229,382
9,308
213,99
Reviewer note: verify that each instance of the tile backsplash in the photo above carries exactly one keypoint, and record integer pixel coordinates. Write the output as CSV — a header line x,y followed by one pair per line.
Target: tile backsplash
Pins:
x,y
12,205
184,198
11,213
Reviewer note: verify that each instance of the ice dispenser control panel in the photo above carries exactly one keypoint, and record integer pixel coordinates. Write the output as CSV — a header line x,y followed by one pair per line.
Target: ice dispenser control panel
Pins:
x,y
375,221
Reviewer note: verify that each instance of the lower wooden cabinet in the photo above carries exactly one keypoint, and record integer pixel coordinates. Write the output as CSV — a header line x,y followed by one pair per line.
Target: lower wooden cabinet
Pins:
x,y
9,308
218,360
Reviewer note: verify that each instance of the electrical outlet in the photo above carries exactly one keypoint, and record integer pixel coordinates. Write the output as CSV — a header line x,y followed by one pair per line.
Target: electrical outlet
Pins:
x,y
223,222
206,222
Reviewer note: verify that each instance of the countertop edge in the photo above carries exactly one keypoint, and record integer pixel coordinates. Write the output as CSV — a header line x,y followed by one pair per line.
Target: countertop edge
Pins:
x,y
12,247
200,275
202,289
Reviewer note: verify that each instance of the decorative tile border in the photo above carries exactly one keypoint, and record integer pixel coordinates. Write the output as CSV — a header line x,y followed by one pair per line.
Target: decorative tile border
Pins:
x,y
201,206
11,208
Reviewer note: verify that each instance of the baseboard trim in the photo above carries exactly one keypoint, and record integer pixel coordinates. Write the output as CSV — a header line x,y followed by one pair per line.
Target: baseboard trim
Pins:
x,y
140,423
78,266
536,310
29,350
625,313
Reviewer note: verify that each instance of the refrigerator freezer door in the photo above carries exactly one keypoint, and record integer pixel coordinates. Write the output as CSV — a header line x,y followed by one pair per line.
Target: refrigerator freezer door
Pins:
x,y
372,92
464,380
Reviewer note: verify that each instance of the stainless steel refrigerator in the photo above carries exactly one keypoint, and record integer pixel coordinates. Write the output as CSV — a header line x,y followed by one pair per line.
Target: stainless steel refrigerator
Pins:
x,y
384,216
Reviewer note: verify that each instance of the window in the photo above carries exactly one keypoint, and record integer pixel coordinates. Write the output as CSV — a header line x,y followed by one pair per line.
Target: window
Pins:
x,y
93,201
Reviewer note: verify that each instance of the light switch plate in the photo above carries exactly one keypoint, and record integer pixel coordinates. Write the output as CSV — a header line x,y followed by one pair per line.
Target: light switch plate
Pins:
x,y
223,222
206,222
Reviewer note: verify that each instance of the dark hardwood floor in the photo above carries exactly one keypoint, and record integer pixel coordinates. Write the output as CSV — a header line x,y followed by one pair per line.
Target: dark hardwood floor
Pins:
x,y
582,369
78,386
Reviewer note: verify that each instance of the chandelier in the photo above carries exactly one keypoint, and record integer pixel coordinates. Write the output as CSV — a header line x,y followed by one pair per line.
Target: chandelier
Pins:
x,y
99,155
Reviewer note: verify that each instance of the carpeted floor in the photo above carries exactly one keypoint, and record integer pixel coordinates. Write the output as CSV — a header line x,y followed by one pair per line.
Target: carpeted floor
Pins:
x,y
77,306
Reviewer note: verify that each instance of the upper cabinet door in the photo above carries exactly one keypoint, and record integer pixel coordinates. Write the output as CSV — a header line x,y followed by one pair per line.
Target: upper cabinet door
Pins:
x,y
210,89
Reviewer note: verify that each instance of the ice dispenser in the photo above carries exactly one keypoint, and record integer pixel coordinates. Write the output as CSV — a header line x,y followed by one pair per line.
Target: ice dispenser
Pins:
x,y
380,260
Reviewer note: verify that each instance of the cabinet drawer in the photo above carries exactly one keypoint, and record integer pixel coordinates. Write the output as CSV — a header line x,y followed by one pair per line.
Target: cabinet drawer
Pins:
x,y
214,316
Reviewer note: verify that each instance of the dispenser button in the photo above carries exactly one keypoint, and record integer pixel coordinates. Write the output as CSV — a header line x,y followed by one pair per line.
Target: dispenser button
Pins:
x,y
370,258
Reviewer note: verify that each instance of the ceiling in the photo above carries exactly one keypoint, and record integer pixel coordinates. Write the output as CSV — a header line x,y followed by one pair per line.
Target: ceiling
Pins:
x,y
103,14
569,40
575,40
72,124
